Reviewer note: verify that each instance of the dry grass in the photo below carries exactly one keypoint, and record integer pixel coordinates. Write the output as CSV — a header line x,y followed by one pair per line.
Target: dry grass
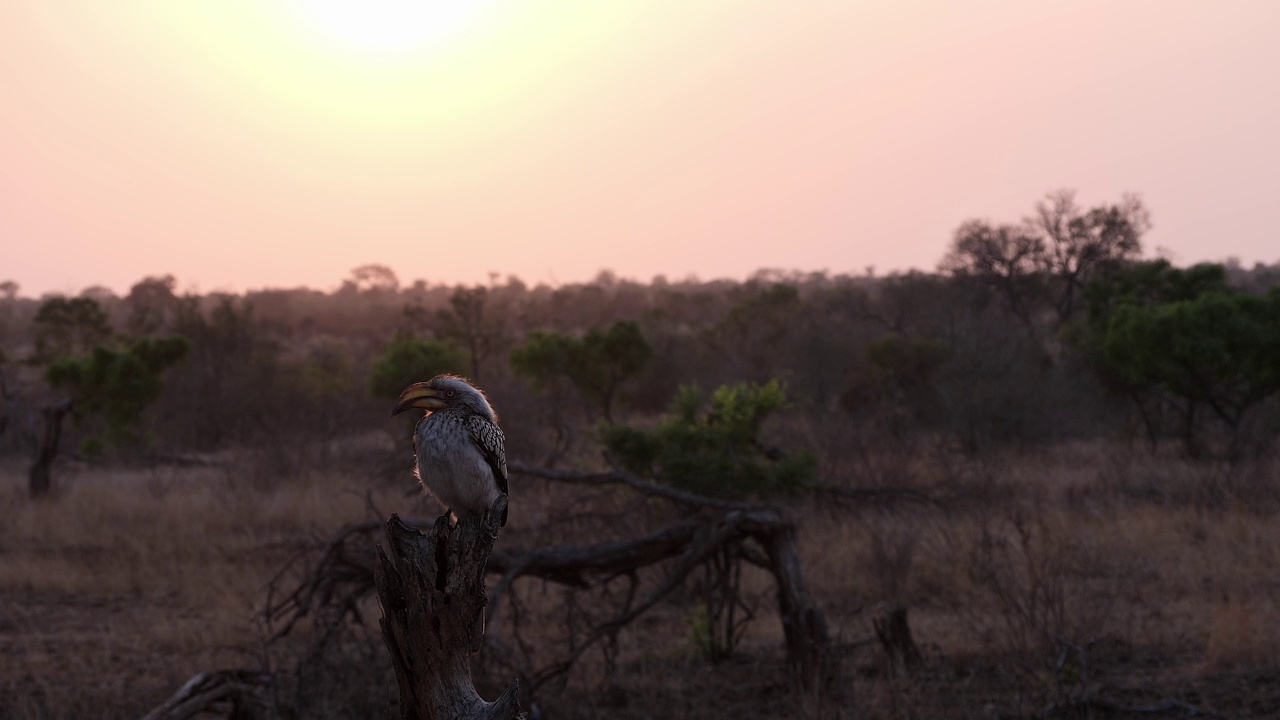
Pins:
x,y
126,582
1242,634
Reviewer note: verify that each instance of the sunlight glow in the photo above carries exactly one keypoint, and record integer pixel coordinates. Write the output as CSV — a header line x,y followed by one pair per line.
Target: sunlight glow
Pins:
x,y
388,25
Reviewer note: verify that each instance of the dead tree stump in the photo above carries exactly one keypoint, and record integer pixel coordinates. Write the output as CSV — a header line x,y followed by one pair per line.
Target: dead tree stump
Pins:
x,y
48,450
894,634
431,587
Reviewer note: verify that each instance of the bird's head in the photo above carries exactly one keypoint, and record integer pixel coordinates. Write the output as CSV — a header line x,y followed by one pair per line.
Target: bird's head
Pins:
x,y
445,391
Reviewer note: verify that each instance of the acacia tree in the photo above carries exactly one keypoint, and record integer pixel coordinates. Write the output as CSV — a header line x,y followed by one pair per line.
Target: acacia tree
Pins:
x,y
1006,257
467,323
597,364
1156,330
373,277
1219,350
152,305
1079,244
68,326
116,385
409,358
1048,259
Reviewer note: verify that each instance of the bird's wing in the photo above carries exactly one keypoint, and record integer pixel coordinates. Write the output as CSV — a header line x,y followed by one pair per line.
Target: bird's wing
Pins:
x,y
489,440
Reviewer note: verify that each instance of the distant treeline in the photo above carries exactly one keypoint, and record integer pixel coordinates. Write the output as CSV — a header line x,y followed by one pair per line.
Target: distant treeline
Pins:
x,y
1050,328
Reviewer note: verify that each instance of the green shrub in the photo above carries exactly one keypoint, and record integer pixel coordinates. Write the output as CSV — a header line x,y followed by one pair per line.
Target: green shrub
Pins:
x,y
117,384
710,445
409,359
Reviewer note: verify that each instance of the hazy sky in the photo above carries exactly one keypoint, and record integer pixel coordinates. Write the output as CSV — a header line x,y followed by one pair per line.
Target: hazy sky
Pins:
x,y
247,143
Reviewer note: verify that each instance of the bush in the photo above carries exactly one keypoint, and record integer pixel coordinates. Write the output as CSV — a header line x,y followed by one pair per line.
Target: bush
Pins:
x,y
597,364
1155,331
711,445
410,359
117,385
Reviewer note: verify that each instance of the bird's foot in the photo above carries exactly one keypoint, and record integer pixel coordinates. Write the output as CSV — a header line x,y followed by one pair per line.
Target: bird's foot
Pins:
x,y
499,508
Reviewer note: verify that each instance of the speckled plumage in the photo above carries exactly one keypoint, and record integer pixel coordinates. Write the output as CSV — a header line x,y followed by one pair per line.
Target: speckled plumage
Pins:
x,y
460,453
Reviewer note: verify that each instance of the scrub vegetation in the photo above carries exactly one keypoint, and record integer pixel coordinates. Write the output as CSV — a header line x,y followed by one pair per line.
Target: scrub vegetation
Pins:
x,y
1053,459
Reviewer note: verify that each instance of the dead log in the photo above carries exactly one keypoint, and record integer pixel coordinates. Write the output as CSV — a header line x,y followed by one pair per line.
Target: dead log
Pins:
x,y
431,587
48,449
760,534
803,623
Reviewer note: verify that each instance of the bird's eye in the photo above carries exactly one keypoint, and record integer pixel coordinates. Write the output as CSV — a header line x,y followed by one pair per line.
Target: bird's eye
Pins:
x,y
448,393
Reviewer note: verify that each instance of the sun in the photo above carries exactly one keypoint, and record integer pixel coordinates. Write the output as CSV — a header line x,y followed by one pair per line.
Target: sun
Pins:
x,y
387,26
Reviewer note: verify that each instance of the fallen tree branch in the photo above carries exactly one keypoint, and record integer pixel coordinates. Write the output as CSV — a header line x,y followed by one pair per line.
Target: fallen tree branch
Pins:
x,y
239,694
1185,709
759,534
644,486
854,495
579,565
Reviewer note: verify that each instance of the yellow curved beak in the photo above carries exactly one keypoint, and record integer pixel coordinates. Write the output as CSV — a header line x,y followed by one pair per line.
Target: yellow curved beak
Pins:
x,y
419,395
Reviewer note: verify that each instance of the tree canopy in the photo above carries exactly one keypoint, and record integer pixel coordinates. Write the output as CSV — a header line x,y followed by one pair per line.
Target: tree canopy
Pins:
x,y
1185,333
1048,259
596,364
68,326
117,384
409,358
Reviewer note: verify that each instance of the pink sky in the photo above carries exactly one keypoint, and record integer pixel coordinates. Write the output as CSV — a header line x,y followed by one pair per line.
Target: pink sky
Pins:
x,y
239,144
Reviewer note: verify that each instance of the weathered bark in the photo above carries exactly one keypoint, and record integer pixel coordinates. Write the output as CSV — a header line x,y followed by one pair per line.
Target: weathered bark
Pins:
x,y
48,450
803,624
431,587
760,534
340,579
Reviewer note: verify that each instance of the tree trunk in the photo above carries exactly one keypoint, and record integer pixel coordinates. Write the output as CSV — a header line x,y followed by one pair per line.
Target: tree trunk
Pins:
x,y
1148,423
48,450
803,624
1189,432
431,587
894,634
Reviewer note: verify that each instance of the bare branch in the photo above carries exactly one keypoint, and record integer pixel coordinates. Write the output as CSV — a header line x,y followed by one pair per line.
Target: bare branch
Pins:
x,y
733,532
644,486
233,693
